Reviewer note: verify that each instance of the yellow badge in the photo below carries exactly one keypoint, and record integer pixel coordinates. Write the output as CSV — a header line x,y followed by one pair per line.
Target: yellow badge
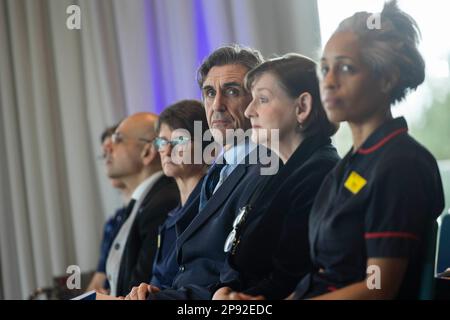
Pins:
x,y
355,182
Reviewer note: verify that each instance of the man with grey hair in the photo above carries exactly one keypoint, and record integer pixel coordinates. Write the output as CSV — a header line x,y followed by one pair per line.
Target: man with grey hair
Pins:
x,y
230,183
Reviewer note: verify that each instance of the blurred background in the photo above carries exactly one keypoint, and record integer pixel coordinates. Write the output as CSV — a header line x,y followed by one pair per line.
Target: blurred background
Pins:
x,y
59,88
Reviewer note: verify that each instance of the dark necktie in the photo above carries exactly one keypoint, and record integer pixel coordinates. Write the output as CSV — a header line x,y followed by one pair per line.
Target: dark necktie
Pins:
x,y
210,182
129,209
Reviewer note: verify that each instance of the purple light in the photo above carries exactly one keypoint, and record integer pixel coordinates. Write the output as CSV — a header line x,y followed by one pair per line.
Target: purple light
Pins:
x,y
159,100
201,35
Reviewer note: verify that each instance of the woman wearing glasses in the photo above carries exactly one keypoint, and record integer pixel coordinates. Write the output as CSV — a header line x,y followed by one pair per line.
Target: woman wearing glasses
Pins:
x,y
176,146
268,247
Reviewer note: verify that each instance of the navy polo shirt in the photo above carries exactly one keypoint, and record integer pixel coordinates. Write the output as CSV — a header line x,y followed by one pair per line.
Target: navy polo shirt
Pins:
x,y
377,202
165,266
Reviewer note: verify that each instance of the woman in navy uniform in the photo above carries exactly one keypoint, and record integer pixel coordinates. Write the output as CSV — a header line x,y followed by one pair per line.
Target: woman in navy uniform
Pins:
x,y
369,222
176,145
268,249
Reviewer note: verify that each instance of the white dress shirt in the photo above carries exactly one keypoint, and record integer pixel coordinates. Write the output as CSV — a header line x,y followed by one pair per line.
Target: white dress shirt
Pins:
x,y
118,246
234,156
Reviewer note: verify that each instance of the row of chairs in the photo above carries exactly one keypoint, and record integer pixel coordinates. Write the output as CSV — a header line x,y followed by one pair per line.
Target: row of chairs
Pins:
x,y
443,256
59,290
437,259
436,262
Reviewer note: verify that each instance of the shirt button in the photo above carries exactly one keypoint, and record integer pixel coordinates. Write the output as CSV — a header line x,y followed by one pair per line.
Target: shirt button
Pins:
x,y
117,246
181,268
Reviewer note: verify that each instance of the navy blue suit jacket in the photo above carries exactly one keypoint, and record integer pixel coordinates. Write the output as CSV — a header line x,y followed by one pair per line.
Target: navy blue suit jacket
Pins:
x,y
200,247
165,266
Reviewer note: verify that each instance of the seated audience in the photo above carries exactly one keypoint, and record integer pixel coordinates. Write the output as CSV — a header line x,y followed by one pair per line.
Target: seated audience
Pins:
x,y
230,182
268,250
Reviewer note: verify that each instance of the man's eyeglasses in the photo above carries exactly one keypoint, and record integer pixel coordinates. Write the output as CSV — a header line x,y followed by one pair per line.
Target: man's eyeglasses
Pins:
x,y
161,143
232,241
117,138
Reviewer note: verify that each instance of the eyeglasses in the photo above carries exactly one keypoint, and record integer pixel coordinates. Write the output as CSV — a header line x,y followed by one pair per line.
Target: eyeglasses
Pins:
x,y
161,143
232,241
117,138
101,157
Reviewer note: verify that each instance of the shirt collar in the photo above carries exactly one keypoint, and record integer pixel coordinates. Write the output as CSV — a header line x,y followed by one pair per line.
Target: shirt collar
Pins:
x,y
383,134
177,213
237,153
146,185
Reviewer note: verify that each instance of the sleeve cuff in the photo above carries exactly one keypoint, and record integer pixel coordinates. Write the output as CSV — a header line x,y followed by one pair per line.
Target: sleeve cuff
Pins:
x,y
401,245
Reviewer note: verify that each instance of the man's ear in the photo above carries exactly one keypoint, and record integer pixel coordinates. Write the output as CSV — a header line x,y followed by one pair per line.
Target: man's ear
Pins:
x,y
303,107
148,154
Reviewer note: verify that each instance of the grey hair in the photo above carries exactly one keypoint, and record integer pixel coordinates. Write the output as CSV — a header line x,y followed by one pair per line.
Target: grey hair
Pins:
x,y
230,54
390,50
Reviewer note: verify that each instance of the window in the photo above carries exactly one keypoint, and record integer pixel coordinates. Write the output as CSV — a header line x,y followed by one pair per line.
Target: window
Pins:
x,y
427,110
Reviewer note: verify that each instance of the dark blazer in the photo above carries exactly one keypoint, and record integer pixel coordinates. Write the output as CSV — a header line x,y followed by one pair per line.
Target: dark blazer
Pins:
x,y
201,246
165,266
137,259
272,254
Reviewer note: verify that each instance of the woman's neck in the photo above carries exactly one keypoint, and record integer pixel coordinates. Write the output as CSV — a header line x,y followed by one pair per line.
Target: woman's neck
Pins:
x,y
288,145
186,185
361,131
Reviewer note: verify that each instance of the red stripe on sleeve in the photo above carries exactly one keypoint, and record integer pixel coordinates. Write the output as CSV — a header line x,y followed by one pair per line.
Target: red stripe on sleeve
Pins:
x,y
331,288
376,235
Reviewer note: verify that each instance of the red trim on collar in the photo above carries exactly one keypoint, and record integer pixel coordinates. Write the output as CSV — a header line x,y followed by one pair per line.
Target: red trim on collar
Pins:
x,y
382,142
331,288
376,235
